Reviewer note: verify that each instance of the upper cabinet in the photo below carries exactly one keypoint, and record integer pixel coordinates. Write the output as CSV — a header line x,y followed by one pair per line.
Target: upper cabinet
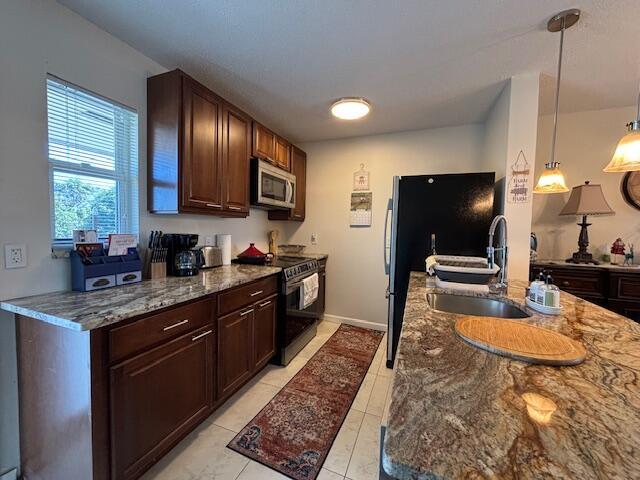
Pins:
x,y
299,169
270,147
198,149
264,143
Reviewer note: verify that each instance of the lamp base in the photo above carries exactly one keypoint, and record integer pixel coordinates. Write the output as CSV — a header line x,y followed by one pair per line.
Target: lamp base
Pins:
x,y
582,257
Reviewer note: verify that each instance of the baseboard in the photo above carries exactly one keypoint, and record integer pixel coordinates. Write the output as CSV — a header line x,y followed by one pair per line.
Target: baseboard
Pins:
x,y
355,322
10,475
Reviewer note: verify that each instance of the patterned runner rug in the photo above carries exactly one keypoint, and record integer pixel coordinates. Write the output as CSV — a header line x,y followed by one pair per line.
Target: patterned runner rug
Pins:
x,y
295,431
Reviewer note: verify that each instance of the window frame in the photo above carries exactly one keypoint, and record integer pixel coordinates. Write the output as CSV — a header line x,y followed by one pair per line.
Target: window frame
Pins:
x,y
125,176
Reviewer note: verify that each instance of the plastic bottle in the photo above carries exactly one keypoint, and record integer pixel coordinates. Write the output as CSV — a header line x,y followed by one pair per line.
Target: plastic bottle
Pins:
x,y
552,294
533,288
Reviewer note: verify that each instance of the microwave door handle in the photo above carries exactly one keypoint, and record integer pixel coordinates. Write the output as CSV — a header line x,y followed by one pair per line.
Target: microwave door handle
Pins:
x,y
289,192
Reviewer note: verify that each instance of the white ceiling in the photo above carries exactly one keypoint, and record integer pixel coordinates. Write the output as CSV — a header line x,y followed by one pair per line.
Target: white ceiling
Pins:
x,y
422,63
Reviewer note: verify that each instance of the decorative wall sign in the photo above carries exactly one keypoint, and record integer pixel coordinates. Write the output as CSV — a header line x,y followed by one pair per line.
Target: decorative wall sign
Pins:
x,y
360,213
361,179
631,188
519,187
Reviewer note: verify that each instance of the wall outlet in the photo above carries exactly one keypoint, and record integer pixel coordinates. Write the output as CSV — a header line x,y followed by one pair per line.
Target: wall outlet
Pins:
x,y
208,241
314,239
15,255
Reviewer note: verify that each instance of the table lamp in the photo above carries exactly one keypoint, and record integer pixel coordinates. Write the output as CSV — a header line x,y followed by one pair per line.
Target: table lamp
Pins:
x,y
585,200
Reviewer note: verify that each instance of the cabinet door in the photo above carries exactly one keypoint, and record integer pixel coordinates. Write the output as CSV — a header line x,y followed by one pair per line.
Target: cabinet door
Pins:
x,y
235,350
202,157
299,169
264,143
264,331
283,154
157,397
236,147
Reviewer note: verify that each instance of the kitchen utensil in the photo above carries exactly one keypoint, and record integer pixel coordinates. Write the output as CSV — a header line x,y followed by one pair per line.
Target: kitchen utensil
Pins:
x,y
521,341
212,256
291,249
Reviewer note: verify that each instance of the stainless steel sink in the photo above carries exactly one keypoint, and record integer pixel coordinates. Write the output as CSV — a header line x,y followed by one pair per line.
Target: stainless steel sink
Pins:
x,y
480,306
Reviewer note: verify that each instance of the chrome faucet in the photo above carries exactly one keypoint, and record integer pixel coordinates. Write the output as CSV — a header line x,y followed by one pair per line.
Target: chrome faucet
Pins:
x,y
501,285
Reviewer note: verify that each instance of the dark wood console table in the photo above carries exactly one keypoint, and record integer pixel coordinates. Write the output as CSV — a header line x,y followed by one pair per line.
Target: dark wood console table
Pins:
x,y
611,286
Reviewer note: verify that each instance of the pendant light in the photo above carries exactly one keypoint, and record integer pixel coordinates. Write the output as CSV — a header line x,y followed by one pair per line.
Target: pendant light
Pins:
x,y
552,180
627,155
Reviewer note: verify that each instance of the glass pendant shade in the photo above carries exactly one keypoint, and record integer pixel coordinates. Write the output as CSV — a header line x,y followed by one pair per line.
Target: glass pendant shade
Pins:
x,y
627,155
551,180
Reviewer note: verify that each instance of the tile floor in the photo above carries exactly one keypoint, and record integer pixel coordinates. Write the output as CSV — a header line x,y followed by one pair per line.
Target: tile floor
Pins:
x,y
354,455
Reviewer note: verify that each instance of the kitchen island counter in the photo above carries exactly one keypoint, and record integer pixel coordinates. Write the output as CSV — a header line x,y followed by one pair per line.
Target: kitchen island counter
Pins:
x,y
99,308
456,411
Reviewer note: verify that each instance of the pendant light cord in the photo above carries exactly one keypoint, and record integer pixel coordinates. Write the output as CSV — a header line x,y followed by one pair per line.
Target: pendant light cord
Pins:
x,y
555,116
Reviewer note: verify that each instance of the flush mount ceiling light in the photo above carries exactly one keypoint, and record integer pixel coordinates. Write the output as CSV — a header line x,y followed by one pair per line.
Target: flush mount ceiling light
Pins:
x,y
552,180
351,108
627,155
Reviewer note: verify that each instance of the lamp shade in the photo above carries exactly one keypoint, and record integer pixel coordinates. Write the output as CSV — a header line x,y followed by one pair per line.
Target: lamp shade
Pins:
x,y
587,199
551,180
627,155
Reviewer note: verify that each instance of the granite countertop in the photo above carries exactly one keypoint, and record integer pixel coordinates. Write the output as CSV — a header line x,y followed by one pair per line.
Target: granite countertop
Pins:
x,y
458,412
315,256
561,263
91,310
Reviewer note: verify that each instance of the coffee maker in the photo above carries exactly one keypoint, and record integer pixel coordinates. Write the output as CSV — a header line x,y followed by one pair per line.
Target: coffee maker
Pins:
x,y
183,260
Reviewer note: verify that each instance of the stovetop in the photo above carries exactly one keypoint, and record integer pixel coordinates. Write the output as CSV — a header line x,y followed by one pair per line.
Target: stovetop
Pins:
x,y
294,267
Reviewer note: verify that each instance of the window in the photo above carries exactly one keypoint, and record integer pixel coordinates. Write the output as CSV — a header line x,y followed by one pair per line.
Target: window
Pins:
x,y
93,163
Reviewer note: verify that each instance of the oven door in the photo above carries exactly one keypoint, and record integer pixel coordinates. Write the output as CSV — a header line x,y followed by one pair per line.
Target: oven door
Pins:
x,y
275,186
297,320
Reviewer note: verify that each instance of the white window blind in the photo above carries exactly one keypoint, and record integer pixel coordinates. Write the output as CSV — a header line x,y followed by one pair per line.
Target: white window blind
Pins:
x,y
93,163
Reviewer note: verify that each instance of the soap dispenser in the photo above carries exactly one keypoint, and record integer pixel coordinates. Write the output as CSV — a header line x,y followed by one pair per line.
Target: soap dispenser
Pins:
x,y
551,294
533,288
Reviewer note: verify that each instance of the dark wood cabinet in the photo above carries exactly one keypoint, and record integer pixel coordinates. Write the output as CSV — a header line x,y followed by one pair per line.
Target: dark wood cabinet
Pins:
x,y
264,143
282,154
299,169
158,396
236,154
198,149
127,393
235,350
615,288
264,331
202,157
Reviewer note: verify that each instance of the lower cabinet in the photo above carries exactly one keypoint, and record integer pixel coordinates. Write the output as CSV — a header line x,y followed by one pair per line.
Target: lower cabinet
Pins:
x,y
264,332
125,394
157,397
246,343
235,359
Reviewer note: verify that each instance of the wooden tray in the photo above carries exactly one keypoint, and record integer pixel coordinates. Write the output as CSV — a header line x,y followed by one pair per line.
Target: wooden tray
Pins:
x,y
515,339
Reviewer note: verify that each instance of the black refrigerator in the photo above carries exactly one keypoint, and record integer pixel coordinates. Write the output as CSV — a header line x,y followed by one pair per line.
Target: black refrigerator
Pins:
x,y
456,208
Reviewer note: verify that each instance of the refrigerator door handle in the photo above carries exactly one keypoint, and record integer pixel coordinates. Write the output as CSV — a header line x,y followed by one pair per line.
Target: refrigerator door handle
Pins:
x,y
386,223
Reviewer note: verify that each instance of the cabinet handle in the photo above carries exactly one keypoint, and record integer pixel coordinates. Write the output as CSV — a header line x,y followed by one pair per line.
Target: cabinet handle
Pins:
x,y
233,208
264,304
182,322
256,293
203,334
566,283
215,205
246,312
297,215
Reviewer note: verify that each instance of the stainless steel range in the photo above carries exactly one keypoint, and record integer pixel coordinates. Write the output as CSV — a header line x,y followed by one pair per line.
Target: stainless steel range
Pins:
x,y
296,326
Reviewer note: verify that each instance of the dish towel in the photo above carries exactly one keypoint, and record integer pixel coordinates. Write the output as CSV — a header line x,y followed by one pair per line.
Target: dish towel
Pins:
x,y
309,290
468,287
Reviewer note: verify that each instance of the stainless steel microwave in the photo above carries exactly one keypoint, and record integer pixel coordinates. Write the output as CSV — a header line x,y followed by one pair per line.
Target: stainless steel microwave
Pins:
x,y
271,187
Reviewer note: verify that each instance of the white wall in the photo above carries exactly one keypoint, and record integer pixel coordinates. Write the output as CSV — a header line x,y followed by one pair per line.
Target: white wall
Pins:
x,y
586,142
356,281
511,128
40,37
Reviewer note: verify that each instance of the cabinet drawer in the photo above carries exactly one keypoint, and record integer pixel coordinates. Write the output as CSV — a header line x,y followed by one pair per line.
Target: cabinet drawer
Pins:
x,y
157,328
625,287
580,285
239,297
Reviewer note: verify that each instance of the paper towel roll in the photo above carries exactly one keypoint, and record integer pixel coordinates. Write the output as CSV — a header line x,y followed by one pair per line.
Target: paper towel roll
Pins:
x,y
223,241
